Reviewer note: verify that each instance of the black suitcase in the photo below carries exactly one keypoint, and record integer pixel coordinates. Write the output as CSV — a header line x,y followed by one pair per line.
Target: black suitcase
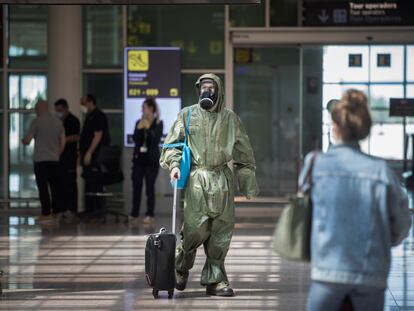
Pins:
x,y
160,258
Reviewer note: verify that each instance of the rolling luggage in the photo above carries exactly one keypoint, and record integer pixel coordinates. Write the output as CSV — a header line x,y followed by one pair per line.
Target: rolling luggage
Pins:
x,y
160,257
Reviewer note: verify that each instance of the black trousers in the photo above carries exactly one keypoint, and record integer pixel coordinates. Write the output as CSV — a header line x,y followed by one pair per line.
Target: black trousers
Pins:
x,y
94,205
47,175
139,172
69,186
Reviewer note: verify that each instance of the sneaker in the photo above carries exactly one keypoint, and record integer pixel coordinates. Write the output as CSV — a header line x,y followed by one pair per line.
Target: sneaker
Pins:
x,y
57,216
46,218
133,221
148,220
68,216
220,289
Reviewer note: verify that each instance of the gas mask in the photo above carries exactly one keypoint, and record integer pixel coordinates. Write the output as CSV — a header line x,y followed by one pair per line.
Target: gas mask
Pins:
x,y
207,100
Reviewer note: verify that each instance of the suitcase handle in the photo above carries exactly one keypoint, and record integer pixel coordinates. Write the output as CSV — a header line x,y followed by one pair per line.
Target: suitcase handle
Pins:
x,y
174,207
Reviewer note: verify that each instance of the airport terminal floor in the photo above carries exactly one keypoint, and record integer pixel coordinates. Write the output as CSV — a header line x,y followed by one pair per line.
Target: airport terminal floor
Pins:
x,y
97,266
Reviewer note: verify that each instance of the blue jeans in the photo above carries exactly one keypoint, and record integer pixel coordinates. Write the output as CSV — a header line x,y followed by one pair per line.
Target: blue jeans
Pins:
x,y
325,296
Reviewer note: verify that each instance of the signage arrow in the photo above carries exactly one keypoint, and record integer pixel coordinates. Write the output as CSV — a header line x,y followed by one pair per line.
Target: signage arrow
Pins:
x,y
323,17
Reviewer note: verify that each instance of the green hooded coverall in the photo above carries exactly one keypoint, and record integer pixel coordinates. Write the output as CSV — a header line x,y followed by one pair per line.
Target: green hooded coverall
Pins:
x,y
215,138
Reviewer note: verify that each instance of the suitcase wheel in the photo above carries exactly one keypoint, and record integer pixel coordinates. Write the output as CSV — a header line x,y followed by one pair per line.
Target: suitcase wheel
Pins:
x,y
155,293
170,294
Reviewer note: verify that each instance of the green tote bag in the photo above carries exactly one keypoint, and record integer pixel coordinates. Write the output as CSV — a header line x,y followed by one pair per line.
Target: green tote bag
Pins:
x,y
291,238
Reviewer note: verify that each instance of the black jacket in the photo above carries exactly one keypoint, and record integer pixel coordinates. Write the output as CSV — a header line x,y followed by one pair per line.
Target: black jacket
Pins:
x,y
151,139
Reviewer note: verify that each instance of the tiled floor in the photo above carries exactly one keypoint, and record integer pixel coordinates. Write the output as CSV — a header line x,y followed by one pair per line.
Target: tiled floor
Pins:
x,y
100,267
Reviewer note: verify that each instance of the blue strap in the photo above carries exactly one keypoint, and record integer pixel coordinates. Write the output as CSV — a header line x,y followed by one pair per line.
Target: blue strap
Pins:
x,y
177,145
173,145
186,126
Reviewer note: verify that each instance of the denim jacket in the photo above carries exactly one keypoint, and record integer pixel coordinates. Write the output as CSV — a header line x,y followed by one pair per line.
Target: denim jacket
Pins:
x,y
359,212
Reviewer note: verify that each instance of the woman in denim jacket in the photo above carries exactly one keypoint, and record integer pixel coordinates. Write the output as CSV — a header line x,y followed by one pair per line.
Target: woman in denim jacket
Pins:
x,y
359,213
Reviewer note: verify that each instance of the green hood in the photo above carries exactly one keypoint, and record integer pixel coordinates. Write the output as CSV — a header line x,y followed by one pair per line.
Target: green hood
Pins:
x,y
220,89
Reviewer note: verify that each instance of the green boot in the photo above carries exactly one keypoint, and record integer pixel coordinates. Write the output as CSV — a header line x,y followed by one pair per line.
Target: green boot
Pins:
x,y
220,289
181,279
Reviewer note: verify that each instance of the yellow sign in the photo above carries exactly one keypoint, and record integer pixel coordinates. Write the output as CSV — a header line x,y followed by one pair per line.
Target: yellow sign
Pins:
x,y
173,92
138,60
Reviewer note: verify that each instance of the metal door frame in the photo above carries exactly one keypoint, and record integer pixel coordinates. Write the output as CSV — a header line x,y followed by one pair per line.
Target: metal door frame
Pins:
x,y
285,36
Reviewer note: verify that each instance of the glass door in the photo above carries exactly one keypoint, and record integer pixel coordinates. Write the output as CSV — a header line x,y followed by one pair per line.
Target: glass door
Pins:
x,y
267,99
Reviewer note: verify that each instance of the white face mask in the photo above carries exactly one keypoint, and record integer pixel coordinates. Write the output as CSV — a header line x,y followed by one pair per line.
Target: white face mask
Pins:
x,y
333,140
59,115
84,109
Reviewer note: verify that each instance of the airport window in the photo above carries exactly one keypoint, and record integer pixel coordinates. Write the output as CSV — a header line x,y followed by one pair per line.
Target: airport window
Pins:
x,y
380,96
25,90
410,90
410,63
247,15
28,36
379,83
107,89
393,73
102,36
199,32
338,70
283,13
116,121
22,182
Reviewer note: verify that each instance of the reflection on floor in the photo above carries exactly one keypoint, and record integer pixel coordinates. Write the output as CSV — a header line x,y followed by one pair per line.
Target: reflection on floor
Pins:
x,y
100,267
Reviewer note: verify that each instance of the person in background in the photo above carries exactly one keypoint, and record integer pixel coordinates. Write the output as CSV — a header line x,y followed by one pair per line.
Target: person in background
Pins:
x,y
360,211
68,159
147,137
49,136
94,134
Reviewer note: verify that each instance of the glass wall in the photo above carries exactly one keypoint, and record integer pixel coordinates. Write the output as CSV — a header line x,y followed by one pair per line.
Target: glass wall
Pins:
x,y
379,72
198,30
3,144
107,89
248,15
266,97
22,182
102,26
26,83
1,156
27,36
24,91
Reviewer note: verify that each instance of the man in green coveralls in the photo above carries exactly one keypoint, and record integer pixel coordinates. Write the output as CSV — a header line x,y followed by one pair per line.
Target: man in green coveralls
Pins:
x,y
216,137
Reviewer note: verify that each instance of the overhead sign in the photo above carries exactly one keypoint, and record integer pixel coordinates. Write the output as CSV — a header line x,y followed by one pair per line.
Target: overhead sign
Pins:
x,y
131,1
401,107
358,13
151,72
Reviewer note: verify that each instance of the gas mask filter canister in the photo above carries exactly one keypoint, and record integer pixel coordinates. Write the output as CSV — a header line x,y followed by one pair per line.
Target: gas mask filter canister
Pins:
x,y
206,100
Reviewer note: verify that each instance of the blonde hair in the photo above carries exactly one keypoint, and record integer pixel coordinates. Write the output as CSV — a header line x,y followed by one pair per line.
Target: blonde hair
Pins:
x,y
351,115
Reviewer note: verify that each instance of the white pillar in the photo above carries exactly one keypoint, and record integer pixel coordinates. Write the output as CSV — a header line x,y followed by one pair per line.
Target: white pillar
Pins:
x,y
65,62
65,55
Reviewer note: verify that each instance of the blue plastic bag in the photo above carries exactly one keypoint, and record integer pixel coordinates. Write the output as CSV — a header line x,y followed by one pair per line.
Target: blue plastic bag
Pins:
x,y
185,162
